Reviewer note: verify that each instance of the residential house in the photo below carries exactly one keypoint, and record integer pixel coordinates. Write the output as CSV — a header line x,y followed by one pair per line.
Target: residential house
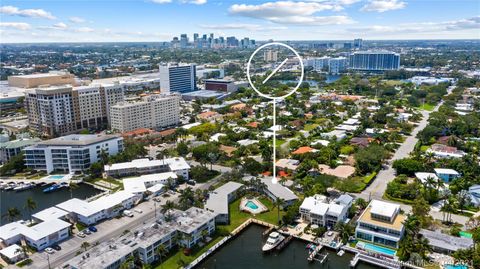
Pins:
x,y
220,198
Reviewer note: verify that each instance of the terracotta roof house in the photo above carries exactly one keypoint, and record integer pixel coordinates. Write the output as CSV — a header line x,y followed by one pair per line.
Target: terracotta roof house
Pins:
x,y
228,150
137,132
303,150
253,124
209,115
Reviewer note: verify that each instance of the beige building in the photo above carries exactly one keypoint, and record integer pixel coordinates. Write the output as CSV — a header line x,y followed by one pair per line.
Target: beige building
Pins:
x,y
270,56
59,110
156,111
35,80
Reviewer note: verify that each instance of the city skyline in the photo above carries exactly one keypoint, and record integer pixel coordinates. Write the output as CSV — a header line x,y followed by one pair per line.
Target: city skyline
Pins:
x,y
161,20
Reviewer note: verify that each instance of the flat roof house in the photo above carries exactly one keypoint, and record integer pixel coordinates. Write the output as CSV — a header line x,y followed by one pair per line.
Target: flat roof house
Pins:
x,y
318,211
445,243
274,191
177,165
220,198
381,223
446,175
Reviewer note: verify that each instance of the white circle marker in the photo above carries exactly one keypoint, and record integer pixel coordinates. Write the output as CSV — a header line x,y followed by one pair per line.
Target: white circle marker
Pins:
x,y
274,178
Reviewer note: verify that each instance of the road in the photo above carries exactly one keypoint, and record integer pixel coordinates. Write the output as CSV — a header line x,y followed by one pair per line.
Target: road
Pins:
x,y
113,228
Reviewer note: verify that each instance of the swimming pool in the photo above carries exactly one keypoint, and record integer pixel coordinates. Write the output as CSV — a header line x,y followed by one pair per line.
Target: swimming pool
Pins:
x,y
251,205
458,266
56,177
377,249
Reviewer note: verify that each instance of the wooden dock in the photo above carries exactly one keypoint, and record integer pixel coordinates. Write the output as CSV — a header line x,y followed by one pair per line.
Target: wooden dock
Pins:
x,y
314,253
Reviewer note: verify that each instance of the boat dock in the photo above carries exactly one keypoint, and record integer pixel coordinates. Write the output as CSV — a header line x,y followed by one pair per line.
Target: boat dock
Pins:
x,y
314,253
284,243
384,263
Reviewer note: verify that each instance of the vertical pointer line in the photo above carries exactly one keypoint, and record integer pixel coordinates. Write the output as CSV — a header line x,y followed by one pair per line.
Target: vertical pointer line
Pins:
x,y
274,178
275,71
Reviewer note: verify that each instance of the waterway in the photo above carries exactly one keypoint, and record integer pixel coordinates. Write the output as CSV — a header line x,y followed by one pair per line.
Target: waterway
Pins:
x,y
244,252
10,199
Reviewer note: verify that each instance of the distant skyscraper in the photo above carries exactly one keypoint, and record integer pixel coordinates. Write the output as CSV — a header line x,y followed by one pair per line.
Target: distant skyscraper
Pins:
x,y
232,41
195,36
347,45
270,56
374,60
358,43
177,78
183,41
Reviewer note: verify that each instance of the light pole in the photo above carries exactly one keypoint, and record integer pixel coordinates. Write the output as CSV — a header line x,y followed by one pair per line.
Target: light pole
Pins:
x,y
48,261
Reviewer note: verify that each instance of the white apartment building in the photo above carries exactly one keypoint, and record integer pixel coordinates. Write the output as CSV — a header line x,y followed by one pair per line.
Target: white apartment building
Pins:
x,y
177,78
156,111
188,225
39,236
317,210
178,165
381,223
337,65
71,153
325,63
139,185
220,198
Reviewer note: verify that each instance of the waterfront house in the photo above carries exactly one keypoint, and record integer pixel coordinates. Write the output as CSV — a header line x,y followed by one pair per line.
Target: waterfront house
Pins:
x,y
381,223
316,210
220,198
444,243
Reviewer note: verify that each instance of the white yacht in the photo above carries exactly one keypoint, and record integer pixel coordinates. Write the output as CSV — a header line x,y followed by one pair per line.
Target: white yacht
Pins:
x,y
274,239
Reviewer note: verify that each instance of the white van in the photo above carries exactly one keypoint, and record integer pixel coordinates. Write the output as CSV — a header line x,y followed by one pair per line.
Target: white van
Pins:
x,y
128,213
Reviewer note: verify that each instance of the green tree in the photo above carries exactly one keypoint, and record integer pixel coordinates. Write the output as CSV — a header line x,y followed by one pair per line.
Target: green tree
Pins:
x,y
12,214
344,230
30,205
85,245
370,158
278,204
252,167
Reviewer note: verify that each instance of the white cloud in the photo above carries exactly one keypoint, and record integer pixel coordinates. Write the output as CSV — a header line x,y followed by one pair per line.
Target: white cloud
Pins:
x,y
60,25
32,13
195,2
15,25
161,1
77,20
242,26
288,12
383,5
84,30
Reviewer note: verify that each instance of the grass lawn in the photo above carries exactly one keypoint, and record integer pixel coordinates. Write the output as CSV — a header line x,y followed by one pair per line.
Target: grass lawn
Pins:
x,y
237,217
309,127
279,142
355,184
424,148
174,261
427,107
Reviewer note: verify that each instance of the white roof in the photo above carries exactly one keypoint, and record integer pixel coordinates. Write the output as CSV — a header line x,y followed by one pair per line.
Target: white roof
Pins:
x,y
351,121
156,188
318,206
336,209
321,142
218,199
50,213
423,176
446,171
347,127
383,208
12,252
216,136
78,206
139,184
177,163
109,201
246,142
278,190
45,229
11,230
320,209
134,185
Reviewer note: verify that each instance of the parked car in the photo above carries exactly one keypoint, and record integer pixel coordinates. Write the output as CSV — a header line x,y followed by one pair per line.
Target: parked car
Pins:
x,y
128,213
92,229
56,247
86,231
191,182
81,235
49,250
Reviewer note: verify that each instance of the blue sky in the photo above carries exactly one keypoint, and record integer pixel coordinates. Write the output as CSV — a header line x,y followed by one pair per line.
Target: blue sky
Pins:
x,y
160,20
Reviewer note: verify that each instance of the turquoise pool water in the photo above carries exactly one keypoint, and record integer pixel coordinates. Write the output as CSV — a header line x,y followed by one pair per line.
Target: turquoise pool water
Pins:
x,y
451,266
56,177
251,205
375,248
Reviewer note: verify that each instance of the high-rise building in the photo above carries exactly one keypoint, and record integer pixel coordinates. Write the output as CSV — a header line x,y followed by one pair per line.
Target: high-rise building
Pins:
x,y
270,56
177,78
59,110
374,61
232,41
357,43
347,45
71,153
157,111
183,41
337,65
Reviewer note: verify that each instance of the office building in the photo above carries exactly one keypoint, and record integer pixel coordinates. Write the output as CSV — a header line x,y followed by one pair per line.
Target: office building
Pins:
x,y
374,61
316,210
177,165
381,223
270,56
177,78
71,153
157,111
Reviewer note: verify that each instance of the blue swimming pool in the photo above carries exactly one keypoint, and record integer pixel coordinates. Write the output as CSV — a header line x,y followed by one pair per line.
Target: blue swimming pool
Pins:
x,y
251,205
375,248
56,177
451,266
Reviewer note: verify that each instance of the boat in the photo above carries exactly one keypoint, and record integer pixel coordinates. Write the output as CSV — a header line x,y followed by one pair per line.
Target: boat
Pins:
x,y
23,187
274,239
54,187
341,252
10,186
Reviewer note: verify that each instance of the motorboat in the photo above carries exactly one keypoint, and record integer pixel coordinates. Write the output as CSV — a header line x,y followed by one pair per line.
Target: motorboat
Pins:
x,y
52,188
22,187
274,239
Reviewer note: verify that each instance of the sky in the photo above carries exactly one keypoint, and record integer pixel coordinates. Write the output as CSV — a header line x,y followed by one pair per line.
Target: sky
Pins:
x,y
161,20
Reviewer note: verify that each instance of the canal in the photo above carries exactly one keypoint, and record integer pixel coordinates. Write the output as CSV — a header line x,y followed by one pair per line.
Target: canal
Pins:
x,y
244,252
10,199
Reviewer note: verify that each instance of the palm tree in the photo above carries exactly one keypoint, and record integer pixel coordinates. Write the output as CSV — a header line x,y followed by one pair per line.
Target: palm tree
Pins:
x,y
186,198
12,214
30,205
72,186
85,245
344,230
167,206
361,203
161,252
127,264
278,203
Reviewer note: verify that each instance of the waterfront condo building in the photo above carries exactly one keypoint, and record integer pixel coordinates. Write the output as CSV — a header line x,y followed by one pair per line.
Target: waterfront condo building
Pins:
x,y
374,61
64,109
316,210
177,165
220,198
71,153
381,223
157,111
177,78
